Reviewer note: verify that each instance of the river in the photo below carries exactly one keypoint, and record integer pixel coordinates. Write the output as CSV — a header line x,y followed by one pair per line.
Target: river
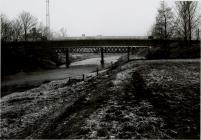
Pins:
x,y
26,80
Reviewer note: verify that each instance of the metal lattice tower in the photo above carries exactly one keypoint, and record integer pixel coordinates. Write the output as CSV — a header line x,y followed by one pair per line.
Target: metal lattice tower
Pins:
x,y
48,19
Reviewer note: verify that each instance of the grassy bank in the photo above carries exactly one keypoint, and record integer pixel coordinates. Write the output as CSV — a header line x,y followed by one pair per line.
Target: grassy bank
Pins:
x,y
175,52
139,99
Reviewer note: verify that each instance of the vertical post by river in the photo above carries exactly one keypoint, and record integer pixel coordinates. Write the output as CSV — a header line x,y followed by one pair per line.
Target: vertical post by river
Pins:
x,y
67,58
102,58
128,53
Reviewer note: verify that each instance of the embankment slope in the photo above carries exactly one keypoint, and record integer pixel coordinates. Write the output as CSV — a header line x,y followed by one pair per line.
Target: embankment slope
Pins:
x,y
139,99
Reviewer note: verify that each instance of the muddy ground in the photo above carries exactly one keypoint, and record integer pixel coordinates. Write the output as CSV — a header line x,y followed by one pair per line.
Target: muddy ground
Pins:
x,y
138,99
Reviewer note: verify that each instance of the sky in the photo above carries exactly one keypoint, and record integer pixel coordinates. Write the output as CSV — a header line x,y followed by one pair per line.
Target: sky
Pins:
x,y
90,17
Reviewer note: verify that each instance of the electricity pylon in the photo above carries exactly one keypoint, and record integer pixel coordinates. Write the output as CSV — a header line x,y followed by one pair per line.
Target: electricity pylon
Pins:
x,y
48,19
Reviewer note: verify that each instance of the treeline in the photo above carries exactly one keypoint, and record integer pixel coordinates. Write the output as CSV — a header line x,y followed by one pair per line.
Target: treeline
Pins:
x,y
181,23
25,27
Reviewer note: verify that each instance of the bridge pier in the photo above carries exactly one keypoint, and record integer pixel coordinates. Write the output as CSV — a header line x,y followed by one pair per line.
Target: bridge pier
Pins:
x,y
67,58
148,51
132,50
102,58
128,53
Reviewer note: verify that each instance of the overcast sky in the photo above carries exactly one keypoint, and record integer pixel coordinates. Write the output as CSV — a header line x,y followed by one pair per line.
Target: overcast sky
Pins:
x,y
90,17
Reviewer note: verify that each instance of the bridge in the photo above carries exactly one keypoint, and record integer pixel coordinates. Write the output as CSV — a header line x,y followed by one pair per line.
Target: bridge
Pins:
x,y
99,44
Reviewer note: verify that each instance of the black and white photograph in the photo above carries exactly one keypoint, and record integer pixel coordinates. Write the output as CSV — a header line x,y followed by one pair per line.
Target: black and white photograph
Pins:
x,y
100,69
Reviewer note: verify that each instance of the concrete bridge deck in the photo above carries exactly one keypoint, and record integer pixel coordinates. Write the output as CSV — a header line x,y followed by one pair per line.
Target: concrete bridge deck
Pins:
x,y
95,42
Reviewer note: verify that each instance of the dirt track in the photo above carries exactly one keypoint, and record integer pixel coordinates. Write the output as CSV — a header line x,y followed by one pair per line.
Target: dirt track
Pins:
x,y
140,99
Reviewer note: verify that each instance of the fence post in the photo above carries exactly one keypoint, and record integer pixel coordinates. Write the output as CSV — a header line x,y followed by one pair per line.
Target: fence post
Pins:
x,y
111,65
83,77
97,71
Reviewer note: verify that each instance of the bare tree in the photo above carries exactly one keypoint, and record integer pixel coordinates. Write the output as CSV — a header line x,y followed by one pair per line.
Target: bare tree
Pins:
x,y
17,30
163,28
6,29
28,22
188,19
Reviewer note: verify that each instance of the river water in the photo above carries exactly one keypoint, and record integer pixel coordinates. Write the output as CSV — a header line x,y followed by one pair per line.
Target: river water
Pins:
x,y
25,80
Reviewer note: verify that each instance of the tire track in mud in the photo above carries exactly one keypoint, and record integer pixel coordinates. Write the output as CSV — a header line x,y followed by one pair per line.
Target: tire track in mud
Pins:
x,y
68,120
126,114
173,112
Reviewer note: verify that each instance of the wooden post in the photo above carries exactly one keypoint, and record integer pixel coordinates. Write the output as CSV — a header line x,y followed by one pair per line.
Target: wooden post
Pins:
x,y
111,64
97,71
83,77
67,58
128,53
102,58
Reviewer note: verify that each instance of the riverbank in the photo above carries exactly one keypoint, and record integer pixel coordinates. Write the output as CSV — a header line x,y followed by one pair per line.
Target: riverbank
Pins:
x,y
26,80
139,99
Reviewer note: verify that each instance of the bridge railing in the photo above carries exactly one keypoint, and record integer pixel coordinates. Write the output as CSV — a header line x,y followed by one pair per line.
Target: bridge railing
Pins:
x,y
102,37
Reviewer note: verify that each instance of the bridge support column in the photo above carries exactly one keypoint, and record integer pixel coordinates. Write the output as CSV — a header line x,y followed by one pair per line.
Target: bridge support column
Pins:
x,y
67,58
128,53
102,58
148,52
132,50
